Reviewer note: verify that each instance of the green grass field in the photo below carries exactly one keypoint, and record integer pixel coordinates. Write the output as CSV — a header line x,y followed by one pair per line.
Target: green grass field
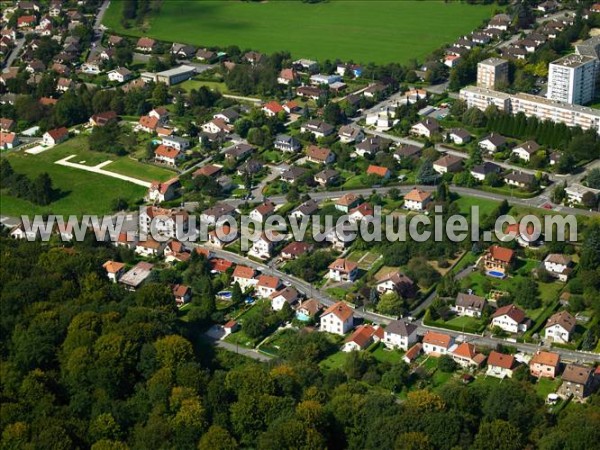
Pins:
x,y
363,31
82,192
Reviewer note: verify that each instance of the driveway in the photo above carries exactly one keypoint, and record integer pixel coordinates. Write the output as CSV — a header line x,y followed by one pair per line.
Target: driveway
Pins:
x,y
99,169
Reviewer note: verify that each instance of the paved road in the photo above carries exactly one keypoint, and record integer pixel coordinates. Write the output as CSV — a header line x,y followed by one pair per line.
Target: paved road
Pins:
x,y
310,291
14,53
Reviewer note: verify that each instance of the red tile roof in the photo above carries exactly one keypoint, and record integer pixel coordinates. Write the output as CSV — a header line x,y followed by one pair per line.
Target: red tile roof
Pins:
x,y
148,122
501,360
417,195
343,265
58,133
268,282
545,358
113,266
340,310
515,313
243,272
378,170
166,152
505,255
439,339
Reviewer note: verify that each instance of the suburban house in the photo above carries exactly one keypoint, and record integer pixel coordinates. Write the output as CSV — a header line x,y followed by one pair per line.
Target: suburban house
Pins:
x,y
398,282
412,353
136,276
244,276
229,115
261,212
267,285
500,365
182,294
465,355
497,260
525,150
148,124
239,152
6,125
437,344
318,128
372,145
578,381
167,155
347,202
263,247
55,136
558,265
312,92
221,236
114,270
295,249
559,327
287,143
103,118
425,128
210,170
145,44
217,127
337,319
363,336
448,164
326,177
163,192
350,133
342,270
510,319
287,76
417,200
544,364
319,155
308,309
217,213
177,142
493,143
175,251
287,295
293,175
400,334
520,179
149,248
272,108
167,222
469,305
8,140
183,50
379,171
306,209
120,75
575,193
362,211
458,136
480,171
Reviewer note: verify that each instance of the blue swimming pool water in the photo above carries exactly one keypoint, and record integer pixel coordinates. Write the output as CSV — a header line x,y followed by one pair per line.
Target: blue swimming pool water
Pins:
x,y
249,300
303,317
495,274
224,294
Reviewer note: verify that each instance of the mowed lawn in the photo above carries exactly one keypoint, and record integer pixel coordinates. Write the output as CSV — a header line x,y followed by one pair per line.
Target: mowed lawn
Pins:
x,y
363,31
82,192
140,170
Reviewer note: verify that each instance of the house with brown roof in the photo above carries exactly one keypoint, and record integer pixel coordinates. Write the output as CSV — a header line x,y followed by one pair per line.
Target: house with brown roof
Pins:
x,y
493,142
466,355
318,128
544,364
293,175
8,140
526,150
264,246
306,209
287,295
558,265
560,326
511,319
500,365
498,260
412,353
371,146
167,155
448,164
103,118
337,319
469,305
363,336
176,251
319,155
295,249
272,108
425,128
400,334
149,248
239,152
136,276
520,179
437,344
114,270
379,171
261,212
326,177
6,125
145,44
163,192
458,136
362,211
578,381
209,170
55,136
342,270
244,276
308,309
221,236
347,201
267,285
398,282
148,124
287,76
417,200
350,133
182,294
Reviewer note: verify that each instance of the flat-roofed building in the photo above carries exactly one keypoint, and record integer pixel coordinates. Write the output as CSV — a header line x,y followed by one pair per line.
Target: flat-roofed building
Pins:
x,y
572,79
492,72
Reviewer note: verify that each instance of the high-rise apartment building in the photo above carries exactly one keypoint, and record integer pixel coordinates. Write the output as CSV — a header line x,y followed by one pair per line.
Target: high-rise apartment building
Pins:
x,y
492,73
572,79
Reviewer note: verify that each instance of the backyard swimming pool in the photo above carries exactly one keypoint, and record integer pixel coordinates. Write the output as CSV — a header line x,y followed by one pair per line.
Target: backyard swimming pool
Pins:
x,y
303,317
496,274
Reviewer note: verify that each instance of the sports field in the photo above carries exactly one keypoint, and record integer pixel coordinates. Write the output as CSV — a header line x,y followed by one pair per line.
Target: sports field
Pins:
x,y
363,31
82,192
